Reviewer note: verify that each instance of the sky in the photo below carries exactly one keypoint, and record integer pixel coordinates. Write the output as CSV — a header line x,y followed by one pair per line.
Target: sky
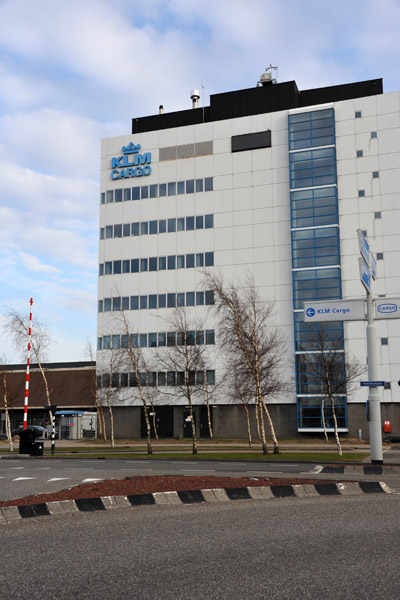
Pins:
x,y
74,72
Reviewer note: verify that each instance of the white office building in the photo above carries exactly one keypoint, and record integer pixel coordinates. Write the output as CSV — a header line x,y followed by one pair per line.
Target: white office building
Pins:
x,y
270,180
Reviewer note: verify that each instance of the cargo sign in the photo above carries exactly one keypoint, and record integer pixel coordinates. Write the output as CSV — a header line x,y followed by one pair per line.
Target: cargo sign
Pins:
x,y
387,308
132,163
335,310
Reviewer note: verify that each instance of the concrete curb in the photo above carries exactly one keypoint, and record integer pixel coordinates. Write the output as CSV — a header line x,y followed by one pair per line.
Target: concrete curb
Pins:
x,y
10,514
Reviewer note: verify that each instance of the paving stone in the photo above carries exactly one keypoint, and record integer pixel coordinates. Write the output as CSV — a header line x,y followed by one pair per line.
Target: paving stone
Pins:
x,y
255,492
305,490
349,488
220,494
266,492
209,496
167,498
2,518
122,501
11,513
69,506
109,502
55,508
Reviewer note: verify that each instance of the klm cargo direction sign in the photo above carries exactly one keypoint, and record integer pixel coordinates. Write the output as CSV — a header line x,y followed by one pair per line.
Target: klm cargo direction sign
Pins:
x,y
131,164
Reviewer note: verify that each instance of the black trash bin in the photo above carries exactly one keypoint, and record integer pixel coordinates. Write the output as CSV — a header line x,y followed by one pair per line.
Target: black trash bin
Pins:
x,y
37,448
26,440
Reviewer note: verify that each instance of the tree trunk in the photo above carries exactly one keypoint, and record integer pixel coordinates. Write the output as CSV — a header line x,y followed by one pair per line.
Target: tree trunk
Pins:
x,y
208,405
323,418
262,425
257,418
338,444
154,413
7,416
272,430
246,408
189,397
111,418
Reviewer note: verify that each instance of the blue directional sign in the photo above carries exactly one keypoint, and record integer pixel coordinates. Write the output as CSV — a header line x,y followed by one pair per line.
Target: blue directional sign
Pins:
x,y
364,246
372,383
373,266
365,275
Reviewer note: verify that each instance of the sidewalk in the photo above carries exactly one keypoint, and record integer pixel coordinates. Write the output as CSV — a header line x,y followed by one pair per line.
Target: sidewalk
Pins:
x,y
391,451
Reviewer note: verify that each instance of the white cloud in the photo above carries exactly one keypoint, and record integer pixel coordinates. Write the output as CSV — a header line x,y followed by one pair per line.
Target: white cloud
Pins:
x,y
32,263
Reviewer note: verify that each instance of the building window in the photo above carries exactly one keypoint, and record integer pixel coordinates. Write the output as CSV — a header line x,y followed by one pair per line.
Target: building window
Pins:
x,y
208,184
387,385
361,193
357,114
316,284
384,341
374,134
379,256
360,153
314,207
311,129
375,174
315,247
100,306
312,168
378,215
118,195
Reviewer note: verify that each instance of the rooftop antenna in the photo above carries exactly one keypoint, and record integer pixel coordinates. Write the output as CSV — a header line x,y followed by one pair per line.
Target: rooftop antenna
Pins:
x,y
202,92
266,78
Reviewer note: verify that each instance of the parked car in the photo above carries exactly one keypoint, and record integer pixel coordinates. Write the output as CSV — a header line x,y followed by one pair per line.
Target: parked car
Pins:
x,y
36,429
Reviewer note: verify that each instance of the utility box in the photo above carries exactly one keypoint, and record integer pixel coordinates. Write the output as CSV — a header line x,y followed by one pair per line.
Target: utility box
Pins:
x,y
26,440
387,426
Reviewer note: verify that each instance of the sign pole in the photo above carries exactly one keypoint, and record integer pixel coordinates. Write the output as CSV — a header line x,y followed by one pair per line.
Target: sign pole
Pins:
x,y
27,367
374,405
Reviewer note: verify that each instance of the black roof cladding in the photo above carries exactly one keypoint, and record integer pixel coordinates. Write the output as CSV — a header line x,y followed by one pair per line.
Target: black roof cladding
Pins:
x,y
255,101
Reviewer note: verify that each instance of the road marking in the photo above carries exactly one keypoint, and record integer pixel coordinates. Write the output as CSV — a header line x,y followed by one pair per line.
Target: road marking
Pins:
x,y
186,463
233,464
316,469
23,478
42,468
15,468
198,470
264,472
58,479
91,480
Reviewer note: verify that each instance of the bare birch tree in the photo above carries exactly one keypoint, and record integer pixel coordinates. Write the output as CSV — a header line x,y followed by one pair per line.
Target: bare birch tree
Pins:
x,y
17,326
111,368
135,359
252,344
185,356
94,392
329,369
3,369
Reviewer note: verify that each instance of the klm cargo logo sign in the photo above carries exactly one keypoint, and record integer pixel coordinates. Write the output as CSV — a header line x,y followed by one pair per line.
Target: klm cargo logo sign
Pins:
x,y
131,164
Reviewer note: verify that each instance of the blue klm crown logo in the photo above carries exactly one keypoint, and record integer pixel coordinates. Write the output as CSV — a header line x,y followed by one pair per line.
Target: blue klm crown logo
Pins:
x,y
131,148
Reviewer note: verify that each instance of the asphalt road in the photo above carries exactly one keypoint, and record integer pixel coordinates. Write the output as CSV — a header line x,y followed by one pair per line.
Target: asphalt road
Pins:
x,y
24,477
303,548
